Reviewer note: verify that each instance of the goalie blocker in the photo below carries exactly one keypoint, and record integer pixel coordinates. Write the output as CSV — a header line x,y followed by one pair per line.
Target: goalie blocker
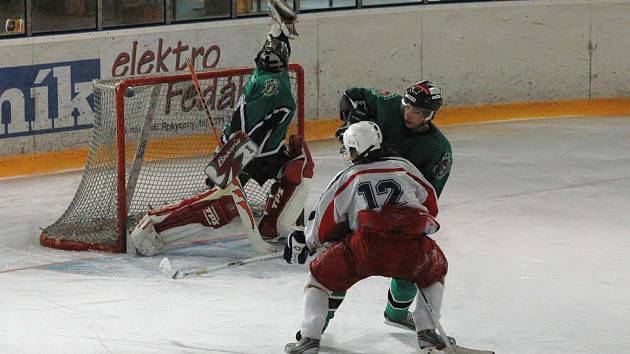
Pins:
x,y
218,206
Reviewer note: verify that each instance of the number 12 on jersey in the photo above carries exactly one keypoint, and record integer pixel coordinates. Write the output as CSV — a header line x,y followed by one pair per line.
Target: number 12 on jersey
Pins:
x,y
386,187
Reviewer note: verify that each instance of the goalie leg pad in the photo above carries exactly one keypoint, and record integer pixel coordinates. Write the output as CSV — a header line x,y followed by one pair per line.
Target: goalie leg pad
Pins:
x,y
286,200
212,213
146,240
284,206
159,228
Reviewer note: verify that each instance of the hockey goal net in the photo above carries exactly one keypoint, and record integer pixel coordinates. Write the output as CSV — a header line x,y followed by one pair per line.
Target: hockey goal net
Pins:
x,y
150,144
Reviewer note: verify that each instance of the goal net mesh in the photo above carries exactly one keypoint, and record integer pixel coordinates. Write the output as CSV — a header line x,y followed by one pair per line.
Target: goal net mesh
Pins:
x,y
168,141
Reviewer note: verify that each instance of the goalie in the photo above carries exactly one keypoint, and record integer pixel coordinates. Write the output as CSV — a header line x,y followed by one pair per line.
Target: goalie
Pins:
x,y
253,149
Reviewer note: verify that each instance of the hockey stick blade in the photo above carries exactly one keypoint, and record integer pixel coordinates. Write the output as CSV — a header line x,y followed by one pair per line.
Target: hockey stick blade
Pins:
x,y
462,350
167,268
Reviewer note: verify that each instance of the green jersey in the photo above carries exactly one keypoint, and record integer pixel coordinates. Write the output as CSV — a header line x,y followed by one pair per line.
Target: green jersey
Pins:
x,y
429,151
264,111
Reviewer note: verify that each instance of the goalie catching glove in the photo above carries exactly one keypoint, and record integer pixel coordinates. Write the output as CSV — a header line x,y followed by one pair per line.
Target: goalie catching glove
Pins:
x,y
284,19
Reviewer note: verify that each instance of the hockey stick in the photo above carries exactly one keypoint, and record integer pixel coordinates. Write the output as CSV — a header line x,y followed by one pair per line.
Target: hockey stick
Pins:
x,y
167,268
450,348
197,85
443,335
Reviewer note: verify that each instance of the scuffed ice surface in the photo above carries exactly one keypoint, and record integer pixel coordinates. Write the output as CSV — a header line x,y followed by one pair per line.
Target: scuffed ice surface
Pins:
x,y
536,228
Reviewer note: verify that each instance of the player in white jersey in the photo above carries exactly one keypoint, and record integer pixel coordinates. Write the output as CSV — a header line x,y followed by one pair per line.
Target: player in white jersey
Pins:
x,y
380,210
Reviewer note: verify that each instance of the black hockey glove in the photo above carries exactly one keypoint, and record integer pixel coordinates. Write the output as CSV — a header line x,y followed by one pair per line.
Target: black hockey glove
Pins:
x,y
295,250
353,109
339,132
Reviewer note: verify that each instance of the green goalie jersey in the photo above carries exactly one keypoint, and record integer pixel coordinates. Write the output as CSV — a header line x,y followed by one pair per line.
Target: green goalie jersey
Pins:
x,y
264,111
429,151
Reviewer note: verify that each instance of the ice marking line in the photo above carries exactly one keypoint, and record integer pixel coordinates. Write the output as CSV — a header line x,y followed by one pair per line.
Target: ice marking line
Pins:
x,y
177,246
184,244
182,345
49,264
100,340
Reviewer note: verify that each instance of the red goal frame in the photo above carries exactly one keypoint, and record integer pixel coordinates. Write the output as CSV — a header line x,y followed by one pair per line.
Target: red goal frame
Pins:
x,y
121,229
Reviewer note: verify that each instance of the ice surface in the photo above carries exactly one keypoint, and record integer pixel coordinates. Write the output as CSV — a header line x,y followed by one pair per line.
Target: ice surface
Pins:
x,y
536,227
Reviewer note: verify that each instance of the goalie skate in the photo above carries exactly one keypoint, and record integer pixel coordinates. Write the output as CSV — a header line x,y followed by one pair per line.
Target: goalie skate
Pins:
x,y
282,14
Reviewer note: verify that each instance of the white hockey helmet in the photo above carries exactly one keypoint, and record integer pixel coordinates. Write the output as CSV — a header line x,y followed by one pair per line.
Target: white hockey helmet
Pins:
x,y
361,137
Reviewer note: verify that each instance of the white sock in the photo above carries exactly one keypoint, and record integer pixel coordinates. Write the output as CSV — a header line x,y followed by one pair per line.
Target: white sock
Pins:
x,y
315,311
421,317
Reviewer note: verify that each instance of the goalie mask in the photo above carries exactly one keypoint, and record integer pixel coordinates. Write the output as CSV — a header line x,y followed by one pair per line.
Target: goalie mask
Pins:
x,y
359,140
425,96
274,54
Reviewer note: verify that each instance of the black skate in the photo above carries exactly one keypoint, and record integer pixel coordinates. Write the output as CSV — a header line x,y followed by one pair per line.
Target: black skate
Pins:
x,y
430,341
305,345
405,323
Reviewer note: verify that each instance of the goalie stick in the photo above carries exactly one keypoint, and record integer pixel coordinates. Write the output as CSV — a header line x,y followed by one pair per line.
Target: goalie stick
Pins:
x,y
197,84
450,348
166,267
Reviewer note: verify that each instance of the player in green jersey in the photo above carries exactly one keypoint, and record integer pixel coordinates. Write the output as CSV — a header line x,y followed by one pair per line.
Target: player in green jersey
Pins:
x,y
407,125
264,113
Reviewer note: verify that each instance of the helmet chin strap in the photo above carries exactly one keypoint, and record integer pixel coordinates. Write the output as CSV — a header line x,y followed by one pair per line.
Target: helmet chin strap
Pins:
x,y
364,153
347,154
421,128
425,125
